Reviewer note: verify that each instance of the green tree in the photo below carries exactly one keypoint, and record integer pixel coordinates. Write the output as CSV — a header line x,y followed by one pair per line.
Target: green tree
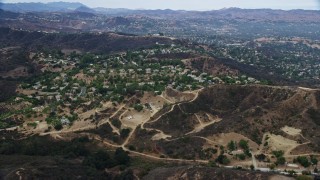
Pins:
x,y
243,144
313,160
138,107
241,156
278,154
124,133
222,159
281,161
116,123
99,160
232,145
303,161
121,157
212,164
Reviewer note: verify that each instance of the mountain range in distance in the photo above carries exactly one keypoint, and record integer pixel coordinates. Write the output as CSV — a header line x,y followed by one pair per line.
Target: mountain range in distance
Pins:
x,y
76,6
45,7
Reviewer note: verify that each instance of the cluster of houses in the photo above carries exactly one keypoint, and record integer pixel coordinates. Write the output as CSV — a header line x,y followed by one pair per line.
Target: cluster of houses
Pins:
x,y
64,85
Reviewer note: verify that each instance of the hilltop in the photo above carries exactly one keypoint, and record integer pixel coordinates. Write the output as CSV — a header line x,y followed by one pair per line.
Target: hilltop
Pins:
x,y
41,7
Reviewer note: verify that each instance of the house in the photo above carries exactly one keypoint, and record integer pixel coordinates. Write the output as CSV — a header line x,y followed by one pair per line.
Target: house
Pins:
x,y
148,71
58,97
293,165
250,79
64,121
151,83
93,89
36,87
38,109
103,71
83,91
122,72
237,152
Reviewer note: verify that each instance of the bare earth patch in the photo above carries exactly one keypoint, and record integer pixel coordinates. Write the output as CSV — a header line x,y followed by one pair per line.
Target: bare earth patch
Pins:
x,y
277,142
133,118
225,138
291,131
160,135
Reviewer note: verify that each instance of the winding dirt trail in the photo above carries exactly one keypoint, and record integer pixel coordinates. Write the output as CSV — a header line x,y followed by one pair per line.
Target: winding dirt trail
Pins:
x,y
202,125
146,155
123,145
177,104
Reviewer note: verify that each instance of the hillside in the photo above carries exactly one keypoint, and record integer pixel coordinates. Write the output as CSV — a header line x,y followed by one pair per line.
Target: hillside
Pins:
x,y
251,111
40,7
16,46
85,42
158,94
187,172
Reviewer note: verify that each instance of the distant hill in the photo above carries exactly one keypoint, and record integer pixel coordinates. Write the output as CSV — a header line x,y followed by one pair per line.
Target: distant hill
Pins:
x,y
40,7
8,14
86,42
85,9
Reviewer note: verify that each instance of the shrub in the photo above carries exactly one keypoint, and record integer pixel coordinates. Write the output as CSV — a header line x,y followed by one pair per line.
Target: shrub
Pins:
x,y
277,154
222,159
243,144
303,161
116,123
232,145
212,164
281,161
58,127
313,160
241,156
121,157
138,107
33,124
124,133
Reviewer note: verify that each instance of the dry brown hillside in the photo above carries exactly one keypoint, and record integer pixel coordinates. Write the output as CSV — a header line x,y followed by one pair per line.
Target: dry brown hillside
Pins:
x,y
187,172
251,111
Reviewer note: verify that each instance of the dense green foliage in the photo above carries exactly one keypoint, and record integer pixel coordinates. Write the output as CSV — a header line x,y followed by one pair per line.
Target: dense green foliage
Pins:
x,y
280,159
76,148
303,160
222,159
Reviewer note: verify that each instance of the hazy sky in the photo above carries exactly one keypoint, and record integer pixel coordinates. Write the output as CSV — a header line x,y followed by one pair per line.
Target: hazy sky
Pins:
x,y
192,4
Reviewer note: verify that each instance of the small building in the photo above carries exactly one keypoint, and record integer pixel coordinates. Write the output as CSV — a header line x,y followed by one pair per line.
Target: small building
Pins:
x,y
237,152
64,121
38,109
103,71
293,165
148,70
83,91
58,97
